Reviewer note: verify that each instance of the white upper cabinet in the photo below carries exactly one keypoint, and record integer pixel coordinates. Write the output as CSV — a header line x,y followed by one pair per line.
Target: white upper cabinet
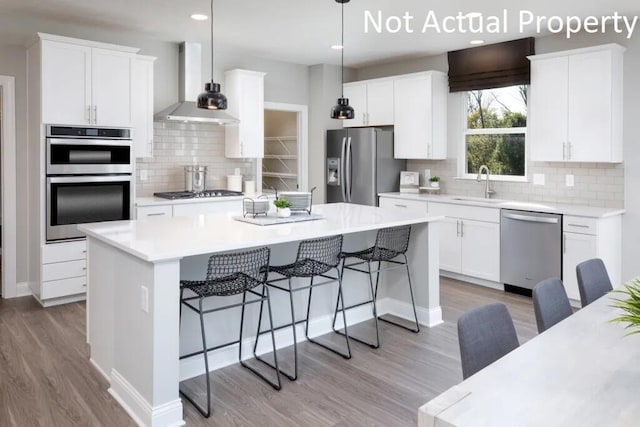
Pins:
x,y
142,106
111,73
245,93
85,82
420,109
575,106
66,83
372,101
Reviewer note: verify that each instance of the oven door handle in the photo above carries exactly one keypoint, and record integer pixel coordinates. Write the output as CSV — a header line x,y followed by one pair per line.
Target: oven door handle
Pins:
x,y
90,142
87,179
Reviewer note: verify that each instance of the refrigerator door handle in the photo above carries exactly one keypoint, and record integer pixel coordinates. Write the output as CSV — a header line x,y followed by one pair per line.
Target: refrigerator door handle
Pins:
x,y
349,172
342,170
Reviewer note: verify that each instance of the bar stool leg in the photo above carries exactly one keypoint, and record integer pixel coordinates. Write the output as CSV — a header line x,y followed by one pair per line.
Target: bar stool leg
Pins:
x,y
306,328
413,303
341,299
276,385
206,413
295,345
373,301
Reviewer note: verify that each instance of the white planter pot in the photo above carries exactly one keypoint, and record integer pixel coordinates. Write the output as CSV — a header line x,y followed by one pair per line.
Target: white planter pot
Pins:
x,y
283,212
435,185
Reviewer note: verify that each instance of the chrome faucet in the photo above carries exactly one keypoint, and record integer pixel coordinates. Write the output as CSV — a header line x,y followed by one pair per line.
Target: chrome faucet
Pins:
x,y
487,189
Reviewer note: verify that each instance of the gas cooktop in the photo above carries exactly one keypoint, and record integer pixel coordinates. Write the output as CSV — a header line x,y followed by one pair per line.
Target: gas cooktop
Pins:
x,y
173,195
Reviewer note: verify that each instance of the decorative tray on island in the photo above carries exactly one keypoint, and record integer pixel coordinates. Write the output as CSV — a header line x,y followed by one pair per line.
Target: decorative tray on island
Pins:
x,y
272,219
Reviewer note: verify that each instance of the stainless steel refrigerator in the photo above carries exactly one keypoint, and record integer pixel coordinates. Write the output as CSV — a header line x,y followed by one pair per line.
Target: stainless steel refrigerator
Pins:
x,y
360,165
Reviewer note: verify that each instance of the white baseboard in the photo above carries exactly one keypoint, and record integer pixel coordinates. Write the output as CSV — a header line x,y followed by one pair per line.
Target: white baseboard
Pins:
x,y
194,366
168,414
99,369
474,280
23,289
427,317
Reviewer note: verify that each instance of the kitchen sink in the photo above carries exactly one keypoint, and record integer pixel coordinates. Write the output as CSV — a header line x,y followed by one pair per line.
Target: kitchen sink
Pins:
x,y
477,200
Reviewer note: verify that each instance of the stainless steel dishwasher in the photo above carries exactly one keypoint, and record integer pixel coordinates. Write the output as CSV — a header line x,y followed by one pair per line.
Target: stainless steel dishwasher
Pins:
x,y
530,248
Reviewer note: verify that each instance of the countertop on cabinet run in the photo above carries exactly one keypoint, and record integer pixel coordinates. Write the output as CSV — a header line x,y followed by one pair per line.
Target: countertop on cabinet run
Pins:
x,y
574,210
158,201
169,238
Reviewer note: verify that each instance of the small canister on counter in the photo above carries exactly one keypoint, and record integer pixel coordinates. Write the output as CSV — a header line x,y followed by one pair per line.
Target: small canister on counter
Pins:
x,y
195,178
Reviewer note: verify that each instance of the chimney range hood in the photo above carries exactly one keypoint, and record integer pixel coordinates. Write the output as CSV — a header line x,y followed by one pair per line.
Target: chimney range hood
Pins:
x,y
190,80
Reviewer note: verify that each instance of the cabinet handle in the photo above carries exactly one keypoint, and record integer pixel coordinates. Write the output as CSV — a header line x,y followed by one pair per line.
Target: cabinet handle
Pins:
x,y
400,206
577,225
84,268
564,151
457,228
461,228
84,252
156,214
564,243
87,115
95,114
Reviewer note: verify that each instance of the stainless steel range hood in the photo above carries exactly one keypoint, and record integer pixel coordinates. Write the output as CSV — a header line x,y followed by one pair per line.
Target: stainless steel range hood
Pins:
x,y
190,85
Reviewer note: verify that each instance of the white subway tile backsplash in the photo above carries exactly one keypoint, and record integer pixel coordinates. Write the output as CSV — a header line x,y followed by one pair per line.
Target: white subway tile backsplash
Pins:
x,y
596,184
180,144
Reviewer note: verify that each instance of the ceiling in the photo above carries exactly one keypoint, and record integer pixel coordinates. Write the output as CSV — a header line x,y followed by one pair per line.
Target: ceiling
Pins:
x,y
298,31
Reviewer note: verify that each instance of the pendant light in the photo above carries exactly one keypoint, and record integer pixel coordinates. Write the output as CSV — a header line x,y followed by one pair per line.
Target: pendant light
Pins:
x,y
211,98
342,110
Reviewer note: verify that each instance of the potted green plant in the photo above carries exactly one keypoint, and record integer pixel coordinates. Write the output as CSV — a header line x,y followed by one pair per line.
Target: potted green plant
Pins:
x,y
629,305
434,181
282,207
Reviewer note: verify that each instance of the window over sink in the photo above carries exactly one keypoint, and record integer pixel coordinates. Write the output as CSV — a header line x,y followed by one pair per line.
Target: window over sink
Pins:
x,y
495,134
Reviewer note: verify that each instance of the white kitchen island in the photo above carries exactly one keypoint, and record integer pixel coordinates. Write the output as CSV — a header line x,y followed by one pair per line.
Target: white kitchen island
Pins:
x,y
134,269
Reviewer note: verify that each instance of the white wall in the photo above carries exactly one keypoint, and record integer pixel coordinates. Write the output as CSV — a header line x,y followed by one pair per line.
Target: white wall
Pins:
x,y
13,60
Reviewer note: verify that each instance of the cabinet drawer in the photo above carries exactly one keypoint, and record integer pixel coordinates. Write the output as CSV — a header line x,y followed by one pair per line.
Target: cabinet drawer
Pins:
x,y
189,209
576,224
465,212
404,205
153,211
64,270
63,288
67,251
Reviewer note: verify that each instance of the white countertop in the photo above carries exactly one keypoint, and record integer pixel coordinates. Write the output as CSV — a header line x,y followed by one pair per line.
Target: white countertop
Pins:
x,y
574,210
165,238
159,201
581,372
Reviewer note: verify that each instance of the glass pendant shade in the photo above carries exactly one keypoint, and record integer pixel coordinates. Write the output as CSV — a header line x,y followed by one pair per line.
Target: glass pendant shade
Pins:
x,y
342,110
211,98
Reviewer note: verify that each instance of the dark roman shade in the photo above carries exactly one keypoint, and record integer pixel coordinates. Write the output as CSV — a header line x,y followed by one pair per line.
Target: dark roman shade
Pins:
x,y
491,66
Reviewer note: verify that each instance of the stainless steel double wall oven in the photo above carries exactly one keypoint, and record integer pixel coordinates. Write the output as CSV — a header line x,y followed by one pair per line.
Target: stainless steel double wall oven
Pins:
x,y
88,178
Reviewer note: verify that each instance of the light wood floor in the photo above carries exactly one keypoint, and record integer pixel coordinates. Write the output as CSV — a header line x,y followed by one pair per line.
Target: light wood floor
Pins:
x,y
46,378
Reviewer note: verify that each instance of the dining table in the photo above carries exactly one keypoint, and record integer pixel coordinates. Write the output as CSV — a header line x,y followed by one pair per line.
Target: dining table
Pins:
x,y
584,371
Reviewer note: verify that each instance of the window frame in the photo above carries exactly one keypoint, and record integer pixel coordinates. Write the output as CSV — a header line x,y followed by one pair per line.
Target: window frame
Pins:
x,y
462,159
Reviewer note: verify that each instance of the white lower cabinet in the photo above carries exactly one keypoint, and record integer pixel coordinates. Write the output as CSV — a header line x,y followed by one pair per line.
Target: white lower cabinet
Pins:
x,y
469,240
403,205
189,208
587,238
205,208
63,272
153,211
576,248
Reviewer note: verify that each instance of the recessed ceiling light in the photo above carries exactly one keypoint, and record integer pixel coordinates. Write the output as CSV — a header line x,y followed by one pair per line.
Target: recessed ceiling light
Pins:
x,y
336,46
473,15
199,17
476,42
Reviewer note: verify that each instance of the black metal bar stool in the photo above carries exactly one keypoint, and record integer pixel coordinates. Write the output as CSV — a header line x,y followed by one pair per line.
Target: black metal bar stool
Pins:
x,y
227,275
315,258
391,243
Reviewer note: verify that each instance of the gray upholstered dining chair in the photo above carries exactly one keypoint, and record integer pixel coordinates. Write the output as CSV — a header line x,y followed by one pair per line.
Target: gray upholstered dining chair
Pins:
x,y
593,280
550,303
485,334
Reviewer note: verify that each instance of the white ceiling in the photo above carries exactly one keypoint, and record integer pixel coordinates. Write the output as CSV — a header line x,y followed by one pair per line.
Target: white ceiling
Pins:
x,y
299,31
